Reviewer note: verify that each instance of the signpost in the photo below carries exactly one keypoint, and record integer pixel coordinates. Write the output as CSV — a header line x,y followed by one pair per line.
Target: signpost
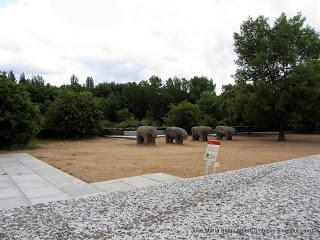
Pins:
x,y
211,155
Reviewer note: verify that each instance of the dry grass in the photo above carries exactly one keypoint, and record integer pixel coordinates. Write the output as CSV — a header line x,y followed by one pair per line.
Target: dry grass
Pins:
x,y
104,159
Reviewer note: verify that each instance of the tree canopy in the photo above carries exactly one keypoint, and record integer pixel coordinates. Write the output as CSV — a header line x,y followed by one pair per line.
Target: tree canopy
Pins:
x,y
19,117
268,56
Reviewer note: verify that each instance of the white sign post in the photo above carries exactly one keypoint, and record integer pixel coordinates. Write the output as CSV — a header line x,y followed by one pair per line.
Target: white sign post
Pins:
x,y
211,155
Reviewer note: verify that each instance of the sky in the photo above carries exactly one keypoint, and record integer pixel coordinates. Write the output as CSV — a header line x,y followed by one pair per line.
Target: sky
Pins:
x,y
131,40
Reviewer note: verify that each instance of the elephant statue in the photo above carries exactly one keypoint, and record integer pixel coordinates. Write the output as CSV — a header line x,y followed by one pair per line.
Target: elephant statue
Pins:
x,y
176,133
201,133
146,135
224,132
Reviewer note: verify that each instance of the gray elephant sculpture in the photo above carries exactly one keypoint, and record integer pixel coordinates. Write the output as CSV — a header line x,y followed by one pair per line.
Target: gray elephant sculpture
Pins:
x,y
146,135
224,132
176,133
201,133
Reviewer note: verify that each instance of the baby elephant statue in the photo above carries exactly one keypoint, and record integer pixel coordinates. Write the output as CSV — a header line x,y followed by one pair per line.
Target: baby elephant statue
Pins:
x,y
224,132
146,135
201,133
176,133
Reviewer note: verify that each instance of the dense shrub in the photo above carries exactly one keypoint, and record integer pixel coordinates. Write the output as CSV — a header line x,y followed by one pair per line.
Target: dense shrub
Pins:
x,y
185,115
74,115
19,117
208,120
148,122
124,114
128,123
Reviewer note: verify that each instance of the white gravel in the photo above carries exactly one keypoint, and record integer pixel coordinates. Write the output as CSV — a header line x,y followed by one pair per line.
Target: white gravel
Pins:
x,y
275,201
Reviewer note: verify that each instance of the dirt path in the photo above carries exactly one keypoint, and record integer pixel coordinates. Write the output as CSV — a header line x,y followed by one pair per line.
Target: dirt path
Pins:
x,y
104,159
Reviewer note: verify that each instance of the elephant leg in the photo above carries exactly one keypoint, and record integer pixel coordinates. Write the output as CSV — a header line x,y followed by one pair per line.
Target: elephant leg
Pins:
x,y
179,140
167,139
140,140
149,139
224,136
170,140
202,137
229,137
193,137
217,136
205,137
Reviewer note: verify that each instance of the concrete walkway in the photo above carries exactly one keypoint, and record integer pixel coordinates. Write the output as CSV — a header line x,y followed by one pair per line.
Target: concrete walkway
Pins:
x,y
25,180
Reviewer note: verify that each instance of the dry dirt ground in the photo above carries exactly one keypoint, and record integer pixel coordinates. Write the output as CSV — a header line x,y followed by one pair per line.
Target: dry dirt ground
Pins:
x,y
103,159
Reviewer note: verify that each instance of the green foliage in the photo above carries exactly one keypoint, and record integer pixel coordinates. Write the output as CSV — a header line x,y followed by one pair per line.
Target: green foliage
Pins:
x,y
176,90
89,83
208,120
74,83
124,114
19,118
305,86
210,104
40,93
11,76
184,115
110,106
148,122
74,115
268,55
128,123
199,85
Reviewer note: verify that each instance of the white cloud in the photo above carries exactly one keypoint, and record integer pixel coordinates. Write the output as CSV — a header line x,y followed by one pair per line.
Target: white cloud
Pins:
x,y
125,40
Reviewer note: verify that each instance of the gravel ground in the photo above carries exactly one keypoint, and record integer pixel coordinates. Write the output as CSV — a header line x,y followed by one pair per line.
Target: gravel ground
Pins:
x,y
275,201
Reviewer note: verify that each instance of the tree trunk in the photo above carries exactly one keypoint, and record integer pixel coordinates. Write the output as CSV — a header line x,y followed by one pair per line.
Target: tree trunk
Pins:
x,y
281,132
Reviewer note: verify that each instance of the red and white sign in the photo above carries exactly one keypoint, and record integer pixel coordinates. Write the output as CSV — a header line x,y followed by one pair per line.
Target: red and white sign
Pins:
x,y
212,151
211,155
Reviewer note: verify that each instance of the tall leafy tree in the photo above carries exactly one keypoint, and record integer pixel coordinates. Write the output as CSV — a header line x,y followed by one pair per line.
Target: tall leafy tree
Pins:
x,y
22,79
268,55
89,83
11,76
19,117
74,83
184,115
175,91
199,85
74,115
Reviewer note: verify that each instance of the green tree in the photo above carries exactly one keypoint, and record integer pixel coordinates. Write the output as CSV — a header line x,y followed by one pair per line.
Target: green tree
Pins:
x,y
267,55
305,86
124,114
74,115
110,106
199,85
19,117
184,115
40,93
89,83
210,105
175,91
134,98
74,83
153,97
248,109
22,79
11,76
